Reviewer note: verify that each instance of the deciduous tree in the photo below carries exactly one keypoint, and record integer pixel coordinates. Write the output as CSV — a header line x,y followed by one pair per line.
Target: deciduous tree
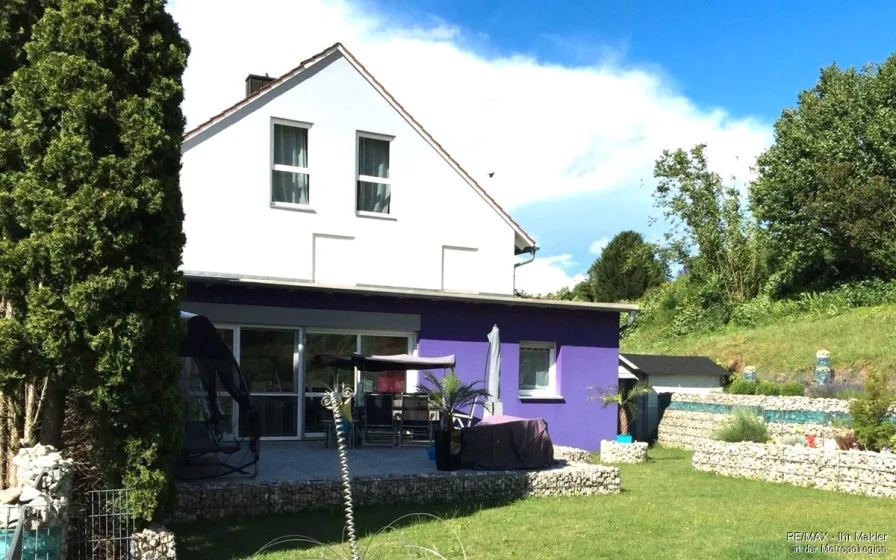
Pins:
x,y
827,186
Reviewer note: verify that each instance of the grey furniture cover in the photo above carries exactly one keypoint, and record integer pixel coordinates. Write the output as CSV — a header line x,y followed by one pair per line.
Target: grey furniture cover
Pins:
x,y
507,443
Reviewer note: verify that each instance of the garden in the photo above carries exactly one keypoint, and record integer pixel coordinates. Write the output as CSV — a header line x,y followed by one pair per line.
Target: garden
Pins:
x,y
666,510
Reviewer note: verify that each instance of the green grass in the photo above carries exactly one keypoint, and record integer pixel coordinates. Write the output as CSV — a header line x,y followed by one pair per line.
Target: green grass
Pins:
x,y
786,349
666,510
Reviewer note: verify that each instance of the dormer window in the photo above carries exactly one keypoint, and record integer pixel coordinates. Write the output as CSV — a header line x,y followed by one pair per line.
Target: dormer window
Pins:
x,y
374,186
290,182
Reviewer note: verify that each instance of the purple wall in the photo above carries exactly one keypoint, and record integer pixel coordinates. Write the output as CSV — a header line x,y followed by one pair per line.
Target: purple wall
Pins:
x,y
587,348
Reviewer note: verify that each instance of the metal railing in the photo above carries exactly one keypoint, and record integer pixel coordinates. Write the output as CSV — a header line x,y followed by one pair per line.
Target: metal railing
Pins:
x,y
26,534
102,525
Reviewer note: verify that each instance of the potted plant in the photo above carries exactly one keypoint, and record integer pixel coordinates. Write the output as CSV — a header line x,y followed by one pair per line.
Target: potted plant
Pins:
x,y
626,403
449,394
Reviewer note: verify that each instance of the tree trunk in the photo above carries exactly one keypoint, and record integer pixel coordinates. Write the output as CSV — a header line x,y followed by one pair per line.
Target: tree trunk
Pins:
x,y
623,421
14,435
4,439
53,414
31,413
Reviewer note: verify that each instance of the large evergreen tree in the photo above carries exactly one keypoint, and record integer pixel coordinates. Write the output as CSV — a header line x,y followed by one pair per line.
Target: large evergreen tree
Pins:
x,y
92,224
627,267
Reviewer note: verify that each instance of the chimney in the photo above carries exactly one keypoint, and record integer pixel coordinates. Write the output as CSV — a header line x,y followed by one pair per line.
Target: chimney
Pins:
x,y
255,82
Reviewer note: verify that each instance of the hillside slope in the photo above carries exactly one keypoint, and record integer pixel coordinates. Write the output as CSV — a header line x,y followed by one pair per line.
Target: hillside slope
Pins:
x,y
786,349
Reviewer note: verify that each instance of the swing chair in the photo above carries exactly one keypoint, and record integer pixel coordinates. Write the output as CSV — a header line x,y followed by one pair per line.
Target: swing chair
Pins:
x,y
209,373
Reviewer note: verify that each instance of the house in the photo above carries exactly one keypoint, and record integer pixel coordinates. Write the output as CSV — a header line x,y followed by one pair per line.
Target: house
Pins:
x,y
665,375
322,218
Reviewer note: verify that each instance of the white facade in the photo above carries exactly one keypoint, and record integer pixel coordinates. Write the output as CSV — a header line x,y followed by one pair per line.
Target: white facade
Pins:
x,y
441,233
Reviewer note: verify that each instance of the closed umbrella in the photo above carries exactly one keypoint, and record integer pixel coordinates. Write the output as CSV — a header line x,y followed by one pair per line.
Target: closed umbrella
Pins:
x,y
493,370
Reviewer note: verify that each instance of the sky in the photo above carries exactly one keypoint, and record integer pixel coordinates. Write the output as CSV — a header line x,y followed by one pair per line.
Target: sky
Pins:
x,y
568,104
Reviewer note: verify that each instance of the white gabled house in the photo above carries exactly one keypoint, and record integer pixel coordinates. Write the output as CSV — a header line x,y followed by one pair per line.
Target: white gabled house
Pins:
x,y
322,218
321,176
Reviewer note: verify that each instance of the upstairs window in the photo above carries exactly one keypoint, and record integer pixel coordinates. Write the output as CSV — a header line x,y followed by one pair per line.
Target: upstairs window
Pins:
x,y
289,168
374,186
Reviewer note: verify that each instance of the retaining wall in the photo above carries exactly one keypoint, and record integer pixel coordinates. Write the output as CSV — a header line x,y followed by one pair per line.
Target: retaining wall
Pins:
x,y
853,472
246,498
692,418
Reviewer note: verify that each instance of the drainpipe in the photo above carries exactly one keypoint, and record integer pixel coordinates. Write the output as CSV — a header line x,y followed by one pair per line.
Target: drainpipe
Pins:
x,y
531,250
631,321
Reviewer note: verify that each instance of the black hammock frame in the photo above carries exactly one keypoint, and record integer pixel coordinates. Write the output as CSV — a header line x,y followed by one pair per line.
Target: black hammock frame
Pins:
x,y
213,451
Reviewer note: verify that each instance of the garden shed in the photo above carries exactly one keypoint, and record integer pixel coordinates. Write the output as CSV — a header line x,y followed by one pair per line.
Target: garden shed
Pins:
x,y
666,375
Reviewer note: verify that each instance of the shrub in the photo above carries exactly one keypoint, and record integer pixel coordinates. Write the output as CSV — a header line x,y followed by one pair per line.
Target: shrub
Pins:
x,y
834,390
768,388
743,426
870,412
792,389
846,440
742,387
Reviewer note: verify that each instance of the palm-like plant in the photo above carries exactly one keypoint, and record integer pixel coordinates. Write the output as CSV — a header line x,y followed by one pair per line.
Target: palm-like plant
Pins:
x,y
625,402
449,394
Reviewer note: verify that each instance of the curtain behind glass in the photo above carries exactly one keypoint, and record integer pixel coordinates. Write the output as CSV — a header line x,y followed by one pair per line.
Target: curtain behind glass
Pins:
x,y
373,161
290,148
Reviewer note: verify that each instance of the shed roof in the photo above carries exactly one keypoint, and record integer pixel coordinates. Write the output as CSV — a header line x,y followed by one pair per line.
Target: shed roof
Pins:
x,y
671,365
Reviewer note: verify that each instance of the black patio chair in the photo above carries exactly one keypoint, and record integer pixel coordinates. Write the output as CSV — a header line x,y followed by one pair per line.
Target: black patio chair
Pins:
x,y
379,426
414,422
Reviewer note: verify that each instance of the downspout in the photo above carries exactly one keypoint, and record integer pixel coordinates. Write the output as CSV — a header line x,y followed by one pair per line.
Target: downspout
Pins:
x,y
628,323
531,250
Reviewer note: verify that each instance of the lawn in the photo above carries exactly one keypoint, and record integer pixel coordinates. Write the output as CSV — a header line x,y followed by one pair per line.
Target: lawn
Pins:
x,y
666,510
786,349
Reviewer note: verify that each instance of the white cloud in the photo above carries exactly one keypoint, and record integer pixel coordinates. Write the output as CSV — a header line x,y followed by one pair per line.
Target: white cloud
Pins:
x,y
545,275
598,246
544,129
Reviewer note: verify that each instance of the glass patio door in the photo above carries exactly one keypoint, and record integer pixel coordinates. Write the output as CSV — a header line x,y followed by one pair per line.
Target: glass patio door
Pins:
x,y
269,362
318,379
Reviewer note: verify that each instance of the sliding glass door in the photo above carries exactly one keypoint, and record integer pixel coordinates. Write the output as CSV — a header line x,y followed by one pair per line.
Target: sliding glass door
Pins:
x,y
269,362
286,387
318,379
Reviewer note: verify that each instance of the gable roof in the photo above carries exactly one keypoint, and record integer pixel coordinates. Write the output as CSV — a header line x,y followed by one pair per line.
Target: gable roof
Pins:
x,y
524,240
671,365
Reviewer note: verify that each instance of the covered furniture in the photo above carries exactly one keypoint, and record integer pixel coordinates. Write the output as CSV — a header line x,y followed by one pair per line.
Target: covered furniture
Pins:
x,y
507,443
210,377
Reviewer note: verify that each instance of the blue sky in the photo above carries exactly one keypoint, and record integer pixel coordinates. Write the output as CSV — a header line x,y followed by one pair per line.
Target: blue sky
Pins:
x,y
568,103
748,58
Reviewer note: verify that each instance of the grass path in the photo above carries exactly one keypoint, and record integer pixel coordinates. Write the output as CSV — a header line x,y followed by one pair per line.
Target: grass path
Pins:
x,y
666,510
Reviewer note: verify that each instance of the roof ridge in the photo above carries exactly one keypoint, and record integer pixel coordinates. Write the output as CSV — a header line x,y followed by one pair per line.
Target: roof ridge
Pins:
x,y
338,46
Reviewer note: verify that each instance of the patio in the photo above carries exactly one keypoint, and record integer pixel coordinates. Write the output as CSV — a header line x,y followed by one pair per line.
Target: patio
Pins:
x,y
311,460
305,476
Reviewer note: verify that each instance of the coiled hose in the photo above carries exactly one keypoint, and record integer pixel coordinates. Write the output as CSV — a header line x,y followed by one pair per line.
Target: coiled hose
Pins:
x,y
335,403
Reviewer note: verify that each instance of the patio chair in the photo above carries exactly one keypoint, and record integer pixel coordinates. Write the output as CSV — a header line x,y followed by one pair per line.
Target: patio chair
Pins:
x,y
379,426
414,421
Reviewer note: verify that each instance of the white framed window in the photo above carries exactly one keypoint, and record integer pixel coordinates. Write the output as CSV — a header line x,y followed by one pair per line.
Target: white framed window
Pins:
x,y
290,175
374,185
538,369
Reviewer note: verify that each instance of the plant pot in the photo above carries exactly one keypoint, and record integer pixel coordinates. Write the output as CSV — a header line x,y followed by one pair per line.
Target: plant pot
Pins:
x,y
627,438
445,459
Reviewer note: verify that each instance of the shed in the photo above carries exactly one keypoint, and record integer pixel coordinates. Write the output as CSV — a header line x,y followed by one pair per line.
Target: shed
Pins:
x,y
665,375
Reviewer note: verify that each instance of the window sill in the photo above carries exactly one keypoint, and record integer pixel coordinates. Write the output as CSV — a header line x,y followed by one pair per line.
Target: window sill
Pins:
x,y
375,215
546,398
293,207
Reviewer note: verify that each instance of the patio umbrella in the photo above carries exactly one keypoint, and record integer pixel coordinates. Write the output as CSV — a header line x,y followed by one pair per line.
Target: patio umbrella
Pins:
x,y
493,370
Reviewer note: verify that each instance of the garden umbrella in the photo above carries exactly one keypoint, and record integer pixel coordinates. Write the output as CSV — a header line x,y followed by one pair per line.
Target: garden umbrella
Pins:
x,y
493,369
